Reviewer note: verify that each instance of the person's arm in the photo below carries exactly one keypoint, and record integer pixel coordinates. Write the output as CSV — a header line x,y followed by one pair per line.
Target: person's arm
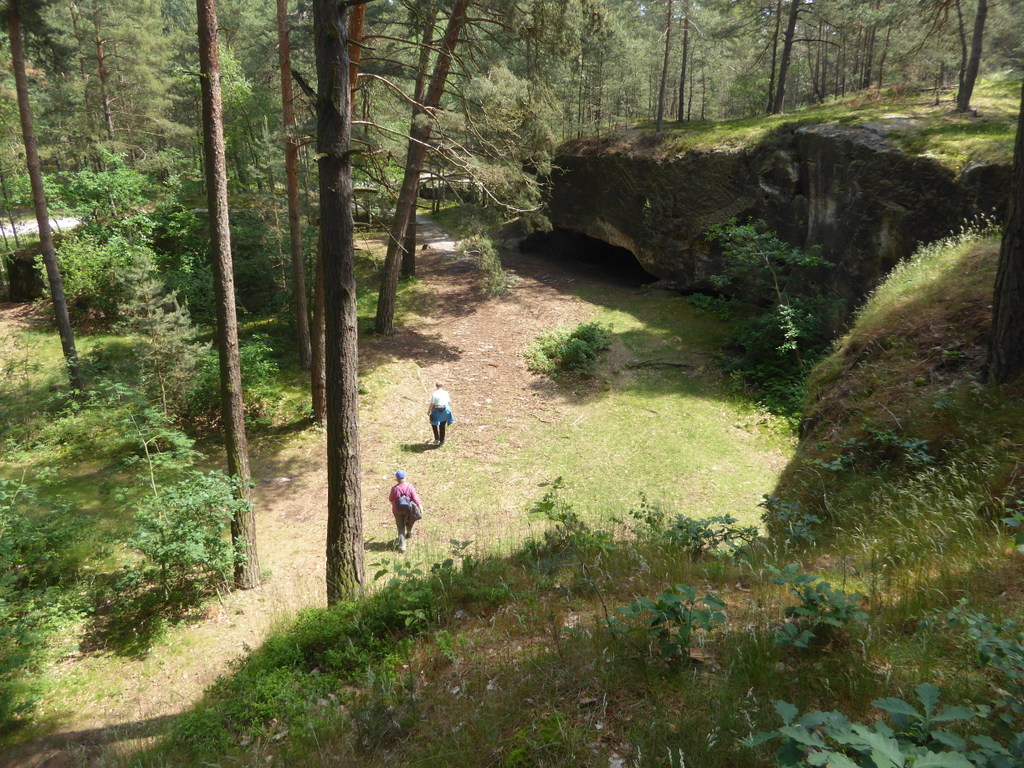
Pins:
x,y
416,497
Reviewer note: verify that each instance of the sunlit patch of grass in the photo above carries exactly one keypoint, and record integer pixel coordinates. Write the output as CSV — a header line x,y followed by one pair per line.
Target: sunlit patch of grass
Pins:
x,y
913,121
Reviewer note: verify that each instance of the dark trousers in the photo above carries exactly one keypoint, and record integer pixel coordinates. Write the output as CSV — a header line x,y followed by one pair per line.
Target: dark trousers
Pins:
x,y
439,431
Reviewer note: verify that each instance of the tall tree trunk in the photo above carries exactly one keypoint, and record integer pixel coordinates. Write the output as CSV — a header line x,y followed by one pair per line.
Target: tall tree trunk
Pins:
x,y
787,52
345,572
885,53
243,526
355,50
869,57
775,56
409,254
419,137
60,306
686,55
970,76
318,369
1006,345
291,173
961,34
664,67
101,72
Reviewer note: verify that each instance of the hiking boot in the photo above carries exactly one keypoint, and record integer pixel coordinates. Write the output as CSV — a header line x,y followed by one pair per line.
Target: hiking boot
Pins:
x,y
408,534
401,543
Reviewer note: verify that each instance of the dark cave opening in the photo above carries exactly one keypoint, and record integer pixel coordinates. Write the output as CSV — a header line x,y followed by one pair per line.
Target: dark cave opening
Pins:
x,y
574,249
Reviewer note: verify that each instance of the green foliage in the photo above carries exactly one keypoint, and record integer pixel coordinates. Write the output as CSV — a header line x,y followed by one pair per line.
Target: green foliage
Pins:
x,y
39,565
495,279
710,534
787,520
166,348
569,351
821,612
181,532
315,661
999,648
1016,521
570,532
104,198
97,273
675,615
259,373
919,737
788,329
878,447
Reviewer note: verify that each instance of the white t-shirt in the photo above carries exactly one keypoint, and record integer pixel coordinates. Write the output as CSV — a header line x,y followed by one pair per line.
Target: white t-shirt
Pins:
x,y
440,399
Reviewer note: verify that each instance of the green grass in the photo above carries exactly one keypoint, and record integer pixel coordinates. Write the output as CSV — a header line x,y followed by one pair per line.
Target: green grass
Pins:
x,y
912,121
531,676
501,658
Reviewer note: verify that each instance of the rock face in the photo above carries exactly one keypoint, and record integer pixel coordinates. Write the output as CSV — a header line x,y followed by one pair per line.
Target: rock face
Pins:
x,y
847,191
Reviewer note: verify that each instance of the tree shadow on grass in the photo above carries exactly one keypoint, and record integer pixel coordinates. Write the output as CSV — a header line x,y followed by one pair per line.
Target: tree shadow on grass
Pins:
x,y
129,618
417,447
380,546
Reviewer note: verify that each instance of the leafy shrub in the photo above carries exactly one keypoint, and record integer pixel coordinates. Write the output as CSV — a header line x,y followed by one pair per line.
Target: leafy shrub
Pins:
x,y
39,565
1016,521
821,611
710,534
917,737
674,617
259,372
786,520
788,328
570,531
569,351
878,447
97,273
495,279
181,532
999,648
102,197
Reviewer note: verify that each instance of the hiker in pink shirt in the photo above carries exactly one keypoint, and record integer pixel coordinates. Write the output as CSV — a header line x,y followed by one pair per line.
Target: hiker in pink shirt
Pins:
x,y
405,506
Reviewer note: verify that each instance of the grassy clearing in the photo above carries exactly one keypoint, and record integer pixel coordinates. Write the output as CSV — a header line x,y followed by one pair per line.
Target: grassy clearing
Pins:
x,y
508,660
583,429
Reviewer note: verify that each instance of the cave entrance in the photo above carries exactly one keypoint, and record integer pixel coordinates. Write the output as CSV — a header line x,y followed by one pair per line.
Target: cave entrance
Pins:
x,y
577,251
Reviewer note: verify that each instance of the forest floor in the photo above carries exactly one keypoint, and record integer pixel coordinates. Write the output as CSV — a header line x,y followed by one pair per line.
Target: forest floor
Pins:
x,y
475,487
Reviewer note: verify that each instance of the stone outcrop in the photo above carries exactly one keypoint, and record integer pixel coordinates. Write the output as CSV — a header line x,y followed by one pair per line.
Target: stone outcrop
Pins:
x,y
846,190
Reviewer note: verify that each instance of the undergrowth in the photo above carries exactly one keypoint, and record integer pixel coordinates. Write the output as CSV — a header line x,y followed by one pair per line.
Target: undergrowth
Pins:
x,y
594,646
568,350
879,618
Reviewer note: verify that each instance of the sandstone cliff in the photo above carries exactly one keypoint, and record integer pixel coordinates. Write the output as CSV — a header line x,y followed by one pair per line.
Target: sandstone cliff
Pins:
x,y
847,190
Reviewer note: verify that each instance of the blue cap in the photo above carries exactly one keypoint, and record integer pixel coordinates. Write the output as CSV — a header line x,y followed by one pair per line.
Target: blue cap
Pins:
x,y
400,474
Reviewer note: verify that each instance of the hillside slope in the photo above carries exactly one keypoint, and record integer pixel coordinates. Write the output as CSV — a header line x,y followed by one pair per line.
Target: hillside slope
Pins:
x,y
580,650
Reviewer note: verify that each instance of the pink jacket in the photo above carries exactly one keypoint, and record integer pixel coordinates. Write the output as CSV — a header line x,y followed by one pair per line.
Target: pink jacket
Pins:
x,y
403,489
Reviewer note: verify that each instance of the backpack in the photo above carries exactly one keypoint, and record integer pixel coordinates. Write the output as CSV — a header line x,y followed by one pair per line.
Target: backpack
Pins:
x,y
405,502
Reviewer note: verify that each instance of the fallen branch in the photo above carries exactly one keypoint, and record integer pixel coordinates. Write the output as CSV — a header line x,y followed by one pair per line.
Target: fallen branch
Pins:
x,y
657,361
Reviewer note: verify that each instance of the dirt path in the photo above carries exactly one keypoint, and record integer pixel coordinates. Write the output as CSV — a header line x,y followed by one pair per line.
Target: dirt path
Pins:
x,y
471,343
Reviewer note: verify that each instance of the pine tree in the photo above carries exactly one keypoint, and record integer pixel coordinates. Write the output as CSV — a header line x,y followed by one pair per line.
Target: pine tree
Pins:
x,y
243,525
